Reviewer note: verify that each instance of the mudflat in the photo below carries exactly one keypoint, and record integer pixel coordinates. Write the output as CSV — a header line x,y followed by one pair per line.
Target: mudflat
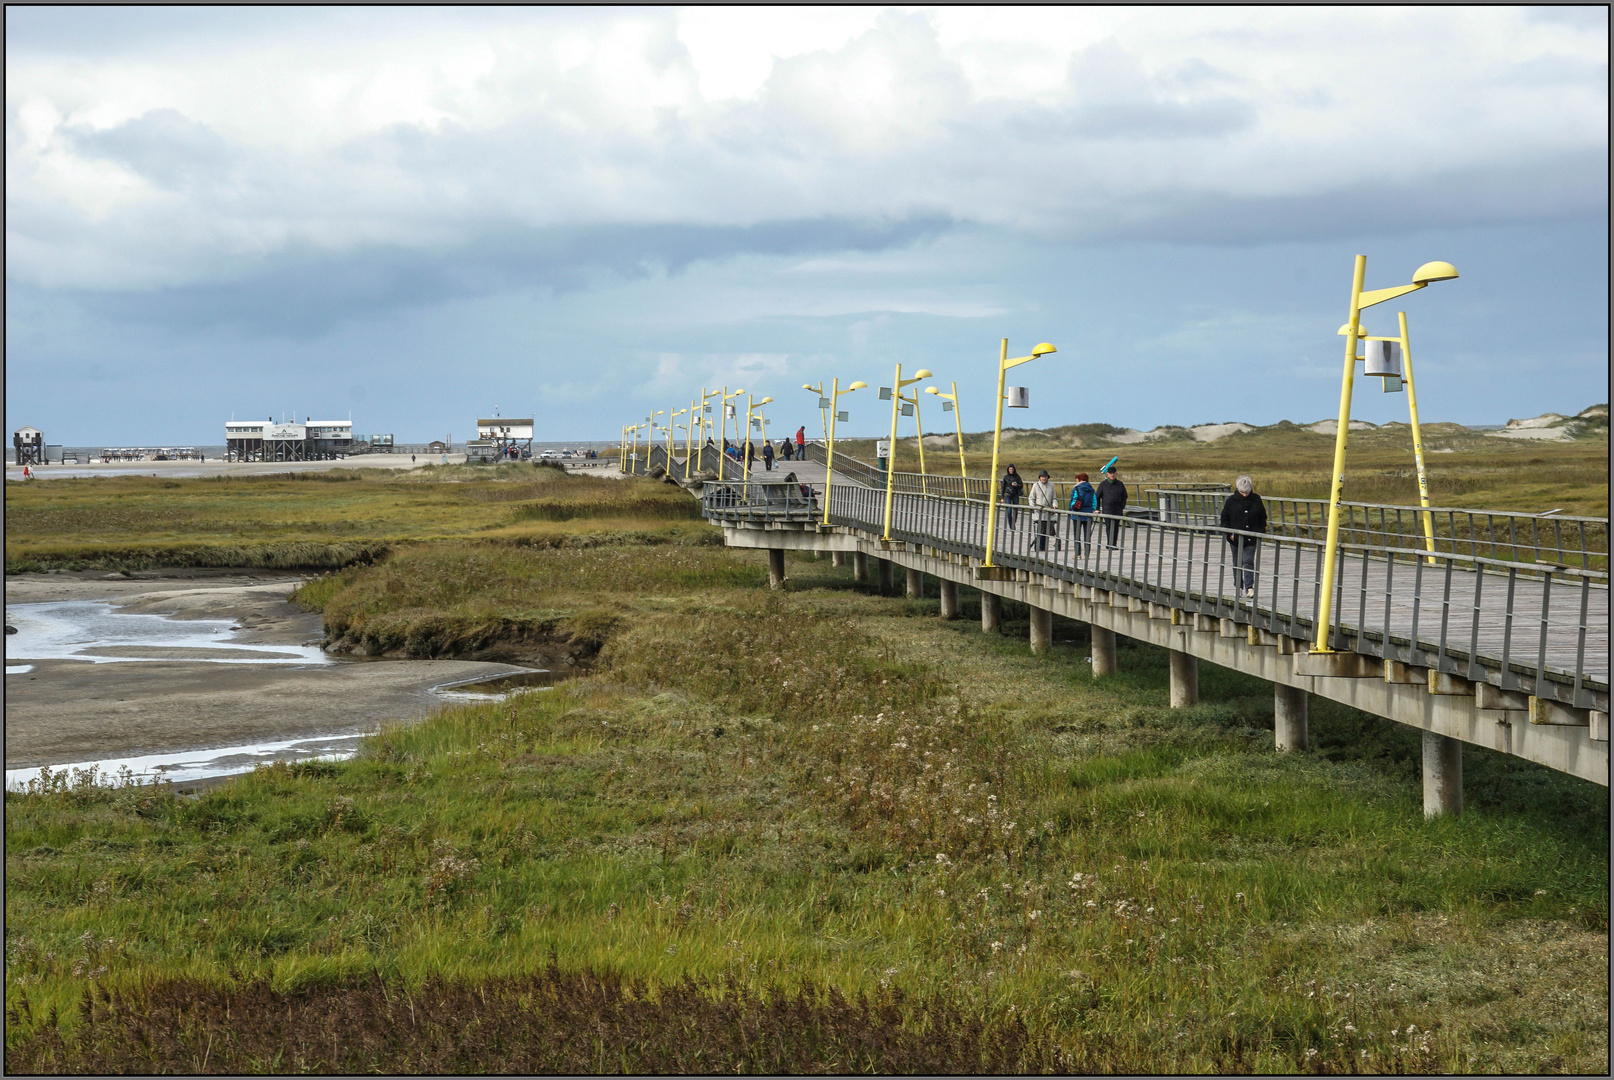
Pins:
x,y
69,710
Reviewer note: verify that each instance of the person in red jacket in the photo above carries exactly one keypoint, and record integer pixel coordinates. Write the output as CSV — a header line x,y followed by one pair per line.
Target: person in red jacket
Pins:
x,y
801,440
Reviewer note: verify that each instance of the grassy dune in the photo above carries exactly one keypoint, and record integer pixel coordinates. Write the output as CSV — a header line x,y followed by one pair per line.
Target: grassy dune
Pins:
x,y
811,830
1466,469
324,519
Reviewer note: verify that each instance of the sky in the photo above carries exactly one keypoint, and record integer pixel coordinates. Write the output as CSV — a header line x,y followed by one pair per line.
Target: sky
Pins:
x,y
418,216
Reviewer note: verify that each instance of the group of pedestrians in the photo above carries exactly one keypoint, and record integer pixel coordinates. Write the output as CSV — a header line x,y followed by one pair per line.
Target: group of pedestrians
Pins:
x,y
789,449
1244,516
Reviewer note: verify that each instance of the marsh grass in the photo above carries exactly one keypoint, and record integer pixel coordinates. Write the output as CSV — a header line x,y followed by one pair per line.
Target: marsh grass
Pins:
x,y
759,801
325,520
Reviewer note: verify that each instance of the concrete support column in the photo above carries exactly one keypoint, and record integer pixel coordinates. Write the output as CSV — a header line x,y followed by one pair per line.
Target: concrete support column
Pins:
x,y
860,567
915,585
887,576
1042,630
1103,650
1290,725
1184,679
837,558
1442,775
776,567
949,598
991,612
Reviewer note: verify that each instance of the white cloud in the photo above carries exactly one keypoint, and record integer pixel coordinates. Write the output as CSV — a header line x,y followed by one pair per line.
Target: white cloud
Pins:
x,y
150,164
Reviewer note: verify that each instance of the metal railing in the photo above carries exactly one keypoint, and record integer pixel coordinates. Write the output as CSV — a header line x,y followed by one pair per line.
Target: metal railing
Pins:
x,y
1539,629
1555,540
769,501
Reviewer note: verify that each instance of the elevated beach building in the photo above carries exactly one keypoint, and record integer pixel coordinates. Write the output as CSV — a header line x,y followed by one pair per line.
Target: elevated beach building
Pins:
x,y
267,440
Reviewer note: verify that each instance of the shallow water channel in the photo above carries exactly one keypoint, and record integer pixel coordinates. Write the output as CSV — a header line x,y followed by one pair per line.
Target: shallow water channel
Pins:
x,y
189,678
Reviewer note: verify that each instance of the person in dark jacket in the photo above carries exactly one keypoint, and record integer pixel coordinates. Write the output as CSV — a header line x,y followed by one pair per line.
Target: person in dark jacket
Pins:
x,y
787,449
767,455
1111,504
1083,501
1245,516
1009,490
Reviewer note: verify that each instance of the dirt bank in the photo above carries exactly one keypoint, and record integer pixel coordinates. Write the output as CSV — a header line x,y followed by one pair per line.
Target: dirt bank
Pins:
x,y
68,710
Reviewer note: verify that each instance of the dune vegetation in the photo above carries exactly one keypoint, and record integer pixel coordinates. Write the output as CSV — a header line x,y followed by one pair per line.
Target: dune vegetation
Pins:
x,y
812,829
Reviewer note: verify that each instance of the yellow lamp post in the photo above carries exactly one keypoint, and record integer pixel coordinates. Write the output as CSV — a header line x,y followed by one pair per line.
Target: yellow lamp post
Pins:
x,y
950,402
672,426
700,452
1421,278
1417,439
823,405
724,433
919,429
829,451
750,407
1004,364
891,454
622,451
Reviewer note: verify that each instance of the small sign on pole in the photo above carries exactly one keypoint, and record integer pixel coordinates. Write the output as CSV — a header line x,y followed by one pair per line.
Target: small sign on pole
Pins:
x,y
1017,397
823,403
885,393
843,416
882,449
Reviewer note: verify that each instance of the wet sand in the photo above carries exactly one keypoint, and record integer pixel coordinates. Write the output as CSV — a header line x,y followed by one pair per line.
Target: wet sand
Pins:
x,y
68,710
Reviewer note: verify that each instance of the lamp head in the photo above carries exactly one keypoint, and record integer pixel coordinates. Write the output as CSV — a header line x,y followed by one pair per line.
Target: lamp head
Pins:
x,y
859,385
1045,348
922,373
1433,271
764,401
804,386
931,390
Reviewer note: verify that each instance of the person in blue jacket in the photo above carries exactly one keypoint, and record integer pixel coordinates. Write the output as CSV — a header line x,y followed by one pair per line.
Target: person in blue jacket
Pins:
x,y
1083,501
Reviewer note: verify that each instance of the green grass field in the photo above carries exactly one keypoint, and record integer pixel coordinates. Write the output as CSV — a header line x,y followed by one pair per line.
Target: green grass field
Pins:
x,y
809,830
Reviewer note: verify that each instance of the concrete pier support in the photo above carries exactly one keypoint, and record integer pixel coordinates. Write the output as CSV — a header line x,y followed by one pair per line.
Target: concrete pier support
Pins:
x,y
1042,630
949,599
860,567
837,558
1103,650
915,585
776,567
1184,679
887,576
1442,775
991,612
1290,726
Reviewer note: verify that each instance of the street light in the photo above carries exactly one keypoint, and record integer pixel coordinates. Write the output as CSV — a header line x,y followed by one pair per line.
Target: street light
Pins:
x,y
950,404
919,429
1004,364
724,433
672,425
749,408
891,453
829,453
705,423
823,405
1393,384
1421,278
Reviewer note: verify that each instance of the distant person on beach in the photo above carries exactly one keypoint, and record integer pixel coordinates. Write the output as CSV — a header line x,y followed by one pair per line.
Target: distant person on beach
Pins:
x,y
1043,499
1083,501
1112,504
1010,488
1245,515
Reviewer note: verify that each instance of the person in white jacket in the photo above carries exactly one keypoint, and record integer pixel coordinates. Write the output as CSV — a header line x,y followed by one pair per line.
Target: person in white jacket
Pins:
x,y
1044,501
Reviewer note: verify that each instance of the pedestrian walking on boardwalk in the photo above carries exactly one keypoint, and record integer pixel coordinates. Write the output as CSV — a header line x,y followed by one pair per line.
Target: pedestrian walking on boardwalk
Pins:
x,y
1111,504
1245,515
1044,502
1083,501
787,449
767,455
1009,490
801,442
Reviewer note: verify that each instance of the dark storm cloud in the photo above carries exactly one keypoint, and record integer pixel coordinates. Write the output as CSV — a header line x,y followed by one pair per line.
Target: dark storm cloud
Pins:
x,y
302,294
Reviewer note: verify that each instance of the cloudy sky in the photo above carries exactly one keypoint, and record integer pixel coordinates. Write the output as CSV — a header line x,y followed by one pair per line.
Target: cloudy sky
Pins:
x,y
416,216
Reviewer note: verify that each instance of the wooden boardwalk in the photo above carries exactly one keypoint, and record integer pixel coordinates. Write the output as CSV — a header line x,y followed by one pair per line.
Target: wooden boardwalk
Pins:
x,y
1454,606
